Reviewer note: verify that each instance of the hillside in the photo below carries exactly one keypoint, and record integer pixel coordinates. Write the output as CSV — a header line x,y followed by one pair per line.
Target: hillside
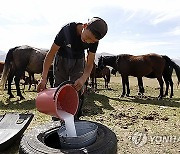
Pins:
x,y
3,56
102,54
177,61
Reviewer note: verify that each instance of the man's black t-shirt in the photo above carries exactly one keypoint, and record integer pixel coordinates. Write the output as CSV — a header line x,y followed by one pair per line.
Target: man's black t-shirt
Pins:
x,y
71,45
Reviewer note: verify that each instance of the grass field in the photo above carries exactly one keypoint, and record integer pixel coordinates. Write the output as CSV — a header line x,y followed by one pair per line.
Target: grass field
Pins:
x,y
158,120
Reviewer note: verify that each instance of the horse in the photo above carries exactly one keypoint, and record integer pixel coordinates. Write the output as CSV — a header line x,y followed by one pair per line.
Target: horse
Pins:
x,y
105,73
167,75
30,80
97,73
137,66
18,60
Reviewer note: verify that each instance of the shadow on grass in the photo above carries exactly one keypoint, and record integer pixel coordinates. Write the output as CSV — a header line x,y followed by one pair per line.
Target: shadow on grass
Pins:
x,y
110,89
169,102
92,108
17,105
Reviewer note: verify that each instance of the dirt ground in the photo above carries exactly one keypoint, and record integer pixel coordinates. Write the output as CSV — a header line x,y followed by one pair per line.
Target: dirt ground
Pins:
x,y
143,125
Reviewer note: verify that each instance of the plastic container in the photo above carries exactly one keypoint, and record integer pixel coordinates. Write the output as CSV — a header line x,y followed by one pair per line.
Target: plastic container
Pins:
x,y
86,135
64,97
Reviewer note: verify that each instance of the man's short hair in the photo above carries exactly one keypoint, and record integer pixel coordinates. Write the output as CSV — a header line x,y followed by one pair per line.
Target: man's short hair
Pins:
x,y
98,27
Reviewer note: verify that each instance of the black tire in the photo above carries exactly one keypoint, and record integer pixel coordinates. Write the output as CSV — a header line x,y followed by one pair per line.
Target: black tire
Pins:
x,y
44,139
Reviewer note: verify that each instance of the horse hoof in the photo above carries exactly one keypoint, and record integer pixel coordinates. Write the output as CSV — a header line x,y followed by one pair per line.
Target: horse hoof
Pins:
x,y
171,95
11,96
21,98
139,93
127,95
122,95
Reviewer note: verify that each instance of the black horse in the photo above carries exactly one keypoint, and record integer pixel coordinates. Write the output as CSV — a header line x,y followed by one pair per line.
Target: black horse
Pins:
x,y
21,59
151,65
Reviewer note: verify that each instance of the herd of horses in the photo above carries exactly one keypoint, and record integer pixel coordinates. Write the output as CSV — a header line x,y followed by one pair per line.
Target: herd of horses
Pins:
x,y
26,58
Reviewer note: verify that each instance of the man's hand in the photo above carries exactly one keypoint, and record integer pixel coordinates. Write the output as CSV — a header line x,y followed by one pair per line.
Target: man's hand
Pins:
x,y
41,85
78,84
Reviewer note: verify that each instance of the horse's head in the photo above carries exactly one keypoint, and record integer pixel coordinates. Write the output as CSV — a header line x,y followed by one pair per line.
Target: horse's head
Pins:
x,y
101,63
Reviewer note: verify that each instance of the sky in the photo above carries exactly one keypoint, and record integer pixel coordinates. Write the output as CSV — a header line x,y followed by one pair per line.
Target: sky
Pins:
x,y
134,26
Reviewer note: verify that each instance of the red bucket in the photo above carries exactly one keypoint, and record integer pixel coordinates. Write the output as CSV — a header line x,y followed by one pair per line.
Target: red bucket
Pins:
x,y
64,97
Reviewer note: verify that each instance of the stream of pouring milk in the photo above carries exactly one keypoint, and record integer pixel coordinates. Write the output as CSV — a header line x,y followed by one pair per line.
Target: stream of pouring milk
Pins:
x,y
69,123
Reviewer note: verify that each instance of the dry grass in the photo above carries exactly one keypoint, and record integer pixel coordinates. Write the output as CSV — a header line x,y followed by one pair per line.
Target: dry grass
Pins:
x,y
124,116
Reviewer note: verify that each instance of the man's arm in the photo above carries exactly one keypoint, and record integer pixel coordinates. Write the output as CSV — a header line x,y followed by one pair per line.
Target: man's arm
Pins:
x,y
87,71
46,65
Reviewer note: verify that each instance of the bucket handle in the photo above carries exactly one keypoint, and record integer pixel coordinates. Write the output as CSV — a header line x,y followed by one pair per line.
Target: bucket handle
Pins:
x,y
62,84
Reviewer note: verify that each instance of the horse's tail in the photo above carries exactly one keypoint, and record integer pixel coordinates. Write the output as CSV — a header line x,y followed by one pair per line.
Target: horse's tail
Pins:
x,y
174,65
7,67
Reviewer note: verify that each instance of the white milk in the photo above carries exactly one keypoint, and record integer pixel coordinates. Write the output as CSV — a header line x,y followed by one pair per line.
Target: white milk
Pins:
x,y
69,123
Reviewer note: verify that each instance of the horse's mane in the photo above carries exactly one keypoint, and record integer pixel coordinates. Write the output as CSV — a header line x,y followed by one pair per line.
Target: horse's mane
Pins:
x,y
115,56
106,57
124,55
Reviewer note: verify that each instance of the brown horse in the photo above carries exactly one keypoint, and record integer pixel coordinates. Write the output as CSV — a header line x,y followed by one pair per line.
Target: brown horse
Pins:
x,y
29,80
97,73
167,76
137,66
21,59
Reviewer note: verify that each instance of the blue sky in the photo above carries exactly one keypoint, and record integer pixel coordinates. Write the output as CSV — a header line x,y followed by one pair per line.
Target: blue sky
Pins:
x,y
135,26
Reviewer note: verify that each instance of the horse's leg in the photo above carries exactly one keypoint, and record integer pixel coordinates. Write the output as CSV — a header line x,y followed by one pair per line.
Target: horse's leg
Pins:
x,y
171,84
108,76
10,79
95,82
23,78
105,82
141,87
127,84
51,78
160,80
33,81
124,86
92,82
17,80
171,81
86,85
166,80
